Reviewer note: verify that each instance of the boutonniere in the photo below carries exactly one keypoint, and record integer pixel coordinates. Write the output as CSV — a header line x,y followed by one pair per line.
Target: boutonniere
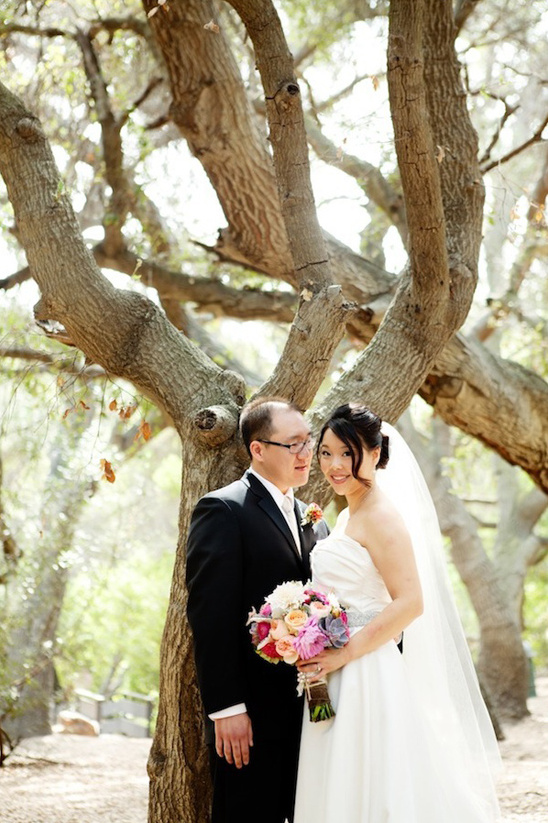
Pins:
x,y
312,514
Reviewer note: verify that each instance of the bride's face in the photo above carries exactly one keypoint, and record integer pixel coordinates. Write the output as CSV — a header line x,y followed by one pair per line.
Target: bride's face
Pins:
x,y
336,464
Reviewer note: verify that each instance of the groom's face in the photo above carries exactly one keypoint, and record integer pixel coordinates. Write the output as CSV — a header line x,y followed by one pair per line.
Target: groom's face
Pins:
x,y
276,463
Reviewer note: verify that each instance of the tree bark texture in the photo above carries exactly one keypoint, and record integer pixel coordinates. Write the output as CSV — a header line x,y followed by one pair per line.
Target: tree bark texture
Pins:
x,y
289,142
213,113
456,146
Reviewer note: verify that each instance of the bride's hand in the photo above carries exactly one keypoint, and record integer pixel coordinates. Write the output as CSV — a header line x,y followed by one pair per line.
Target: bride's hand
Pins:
x,y
324,663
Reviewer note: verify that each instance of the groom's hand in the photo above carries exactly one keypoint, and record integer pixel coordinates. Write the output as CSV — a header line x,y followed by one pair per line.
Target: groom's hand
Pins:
x,y
233,738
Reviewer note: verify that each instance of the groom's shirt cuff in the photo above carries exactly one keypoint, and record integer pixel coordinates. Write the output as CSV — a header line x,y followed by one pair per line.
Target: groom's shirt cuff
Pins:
x,y
239,708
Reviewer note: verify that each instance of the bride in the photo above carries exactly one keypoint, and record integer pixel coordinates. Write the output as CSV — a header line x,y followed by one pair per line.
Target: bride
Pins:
x,y
411,741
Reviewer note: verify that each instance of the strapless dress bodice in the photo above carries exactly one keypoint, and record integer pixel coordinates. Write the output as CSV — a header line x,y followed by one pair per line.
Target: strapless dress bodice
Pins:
x,y
342,565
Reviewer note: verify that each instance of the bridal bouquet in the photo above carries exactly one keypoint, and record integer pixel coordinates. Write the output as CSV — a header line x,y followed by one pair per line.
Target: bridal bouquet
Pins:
x,y
295,623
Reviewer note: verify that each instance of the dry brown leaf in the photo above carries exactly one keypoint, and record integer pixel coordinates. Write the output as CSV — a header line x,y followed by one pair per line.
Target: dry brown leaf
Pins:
x,y
375,82
144,431
108,471
126,411
113,405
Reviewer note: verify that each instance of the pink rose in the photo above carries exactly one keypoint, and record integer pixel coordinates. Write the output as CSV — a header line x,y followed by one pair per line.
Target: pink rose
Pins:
x,y
318,609
278,629
266,610
286,649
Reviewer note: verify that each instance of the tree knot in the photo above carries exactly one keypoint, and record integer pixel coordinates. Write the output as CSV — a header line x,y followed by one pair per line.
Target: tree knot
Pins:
x,y
29,129
215,424
287,95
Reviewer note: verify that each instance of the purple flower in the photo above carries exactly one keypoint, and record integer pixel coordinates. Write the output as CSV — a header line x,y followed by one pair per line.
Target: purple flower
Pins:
x,y
310,641
336,630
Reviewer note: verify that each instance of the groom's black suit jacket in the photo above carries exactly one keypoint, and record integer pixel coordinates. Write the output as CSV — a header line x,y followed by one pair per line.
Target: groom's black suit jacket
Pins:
x,y
239,549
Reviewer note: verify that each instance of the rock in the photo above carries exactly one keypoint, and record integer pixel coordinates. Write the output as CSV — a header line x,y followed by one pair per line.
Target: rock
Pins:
x,y
75,723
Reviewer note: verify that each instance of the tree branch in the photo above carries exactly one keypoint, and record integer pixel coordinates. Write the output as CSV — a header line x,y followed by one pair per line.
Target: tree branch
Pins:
x,y
288,141
539,195
463,10
212,111
469,386
61,364
539,549
415,151
37,31
120,200
15,279
122,331
319,323
535,138
209,294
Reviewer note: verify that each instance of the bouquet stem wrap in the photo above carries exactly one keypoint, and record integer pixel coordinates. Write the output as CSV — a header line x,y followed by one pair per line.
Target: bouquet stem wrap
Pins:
x,y
319,702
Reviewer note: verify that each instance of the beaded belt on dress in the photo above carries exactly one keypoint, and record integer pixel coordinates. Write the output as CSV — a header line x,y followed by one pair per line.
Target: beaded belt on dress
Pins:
x,y
356,619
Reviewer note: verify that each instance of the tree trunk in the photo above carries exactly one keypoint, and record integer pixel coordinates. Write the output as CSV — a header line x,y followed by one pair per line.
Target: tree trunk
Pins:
x,y
34,640
178,765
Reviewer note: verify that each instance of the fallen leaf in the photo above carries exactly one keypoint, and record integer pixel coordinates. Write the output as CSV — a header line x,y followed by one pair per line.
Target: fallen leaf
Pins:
x,y
375,82
113,405
307,295
441,154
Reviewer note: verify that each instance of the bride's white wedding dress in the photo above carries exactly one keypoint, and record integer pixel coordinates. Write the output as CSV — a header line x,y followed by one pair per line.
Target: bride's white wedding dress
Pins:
x,y
385,757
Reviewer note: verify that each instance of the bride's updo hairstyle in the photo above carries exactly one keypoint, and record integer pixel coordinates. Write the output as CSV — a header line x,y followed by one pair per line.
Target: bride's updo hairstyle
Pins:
x,y
359,428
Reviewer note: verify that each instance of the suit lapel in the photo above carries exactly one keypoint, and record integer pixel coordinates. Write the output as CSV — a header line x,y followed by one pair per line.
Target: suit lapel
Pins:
x,y
268,505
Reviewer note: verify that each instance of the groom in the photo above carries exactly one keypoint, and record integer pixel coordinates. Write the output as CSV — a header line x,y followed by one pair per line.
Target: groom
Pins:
x,y
244,540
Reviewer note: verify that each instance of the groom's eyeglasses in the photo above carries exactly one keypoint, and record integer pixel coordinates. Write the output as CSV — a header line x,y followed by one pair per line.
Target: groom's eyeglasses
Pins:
x,y
293,448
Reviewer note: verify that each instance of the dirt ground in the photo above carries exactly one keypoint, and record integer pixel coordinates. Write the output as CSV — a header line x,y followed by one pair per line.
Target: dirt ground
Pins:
x,y
70,779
